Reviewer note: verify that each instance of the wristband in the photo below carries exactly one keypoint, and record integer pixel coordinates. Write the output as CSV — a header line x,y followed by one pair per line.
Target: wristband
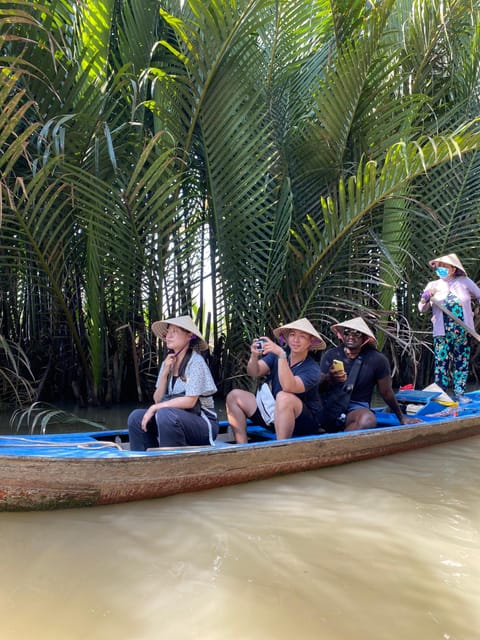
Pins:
x,y
283,356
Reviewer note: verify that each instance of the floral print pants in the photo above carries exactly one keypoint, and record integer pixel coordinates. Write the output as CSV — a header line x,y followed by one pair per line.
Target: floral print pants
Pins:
x,y
452,352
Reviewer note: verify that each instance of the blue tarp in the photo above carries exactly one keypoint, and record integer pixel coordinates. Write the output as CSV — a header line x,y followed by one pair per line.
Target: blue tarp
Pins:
x,y
106,444
65,445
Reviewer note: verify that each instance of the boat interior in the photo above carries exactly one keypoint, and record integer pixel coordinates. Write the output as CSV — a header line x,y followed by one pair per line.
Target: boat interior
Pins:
x,y
429,406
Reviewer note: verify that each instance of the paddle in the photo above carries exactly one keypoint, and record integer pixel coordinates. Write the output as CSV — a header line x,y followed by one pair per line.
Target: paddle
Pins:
x,y
460,323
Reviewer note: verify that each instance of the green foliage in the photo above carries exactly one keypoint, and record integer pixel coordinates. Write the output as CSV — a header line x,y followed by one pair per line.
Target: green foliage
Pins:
x,y
43,417
247,161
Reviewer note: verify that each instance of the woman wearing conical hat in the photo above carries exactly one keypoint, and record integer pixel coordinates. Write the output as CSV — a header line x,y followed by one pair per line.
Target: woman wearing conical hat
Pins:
x,y
182,412
454,291
372,369
293,375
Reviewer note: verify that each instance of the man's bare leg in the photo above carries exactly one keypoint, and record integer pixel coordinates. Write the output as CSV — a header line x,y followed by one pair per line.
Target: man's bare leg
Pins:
x,y
240,405
287,408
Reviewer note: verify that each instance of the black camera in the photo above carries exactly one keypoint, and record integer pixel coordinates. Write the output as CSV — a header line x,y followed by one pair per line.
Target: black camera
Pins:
x,y
259,346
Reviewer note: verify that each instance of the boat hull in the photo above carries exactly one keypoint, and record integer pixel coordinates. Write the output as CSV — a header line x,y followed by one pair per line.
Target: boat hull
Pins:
x,y
49,482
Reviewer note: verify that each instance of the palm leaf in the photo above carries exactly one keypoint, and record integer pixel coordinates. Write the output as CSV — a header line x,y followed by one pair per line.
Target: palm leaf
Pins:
x,y
364,193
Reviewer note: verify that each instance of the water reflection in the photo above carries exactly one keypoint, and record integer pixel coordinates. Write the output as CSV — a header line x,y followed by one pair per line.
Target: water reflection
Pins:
x,y
108,419
113,418
384,549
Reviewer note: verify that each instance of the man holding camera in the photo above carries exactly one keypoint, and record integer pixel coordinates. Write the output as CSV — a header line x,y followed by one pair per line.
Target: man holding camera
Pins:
x,y
294,378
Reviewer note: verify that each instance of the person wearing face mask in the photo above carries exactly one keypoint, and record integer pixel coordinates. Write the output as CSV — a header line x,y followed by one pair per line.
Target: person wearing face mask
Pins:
x,y
454,291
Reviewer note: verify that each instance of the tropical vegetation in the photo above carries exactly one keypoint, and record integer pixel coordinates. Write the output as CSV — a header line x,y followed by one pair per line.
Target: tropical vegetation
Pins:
x,y
247,162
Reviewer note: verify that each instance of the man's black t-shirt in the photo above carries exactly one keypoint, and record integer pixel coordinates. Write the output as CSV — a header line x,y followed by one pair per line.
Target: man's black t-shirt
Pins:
x,y
375,366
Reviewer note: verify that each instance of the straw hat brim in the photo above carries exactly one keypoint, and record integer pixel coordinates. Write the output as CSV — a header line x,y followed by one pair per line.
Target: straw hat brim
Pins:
x,y
186,323
451,259
304,325
358,324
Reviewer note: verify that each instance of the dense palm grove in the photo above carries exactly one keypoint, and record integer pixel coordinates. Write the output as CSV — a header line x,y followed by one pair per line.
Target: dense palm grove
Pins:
x,y
245,161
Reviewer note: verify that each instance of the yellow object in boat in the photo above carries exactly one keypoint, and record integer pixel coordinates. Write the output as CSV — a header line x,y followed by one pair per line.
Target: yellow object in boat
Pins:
x,y
337,365
447,403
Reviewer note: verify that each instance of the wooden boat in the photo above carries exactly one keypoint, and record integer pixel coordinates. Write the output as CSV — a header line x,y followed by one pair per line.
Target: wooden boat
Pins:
x,y
84,469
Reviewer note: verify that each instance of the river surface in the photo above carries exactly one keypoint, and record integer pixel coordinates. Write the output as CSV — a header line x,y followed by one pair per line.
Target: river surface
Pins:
x,y
386,549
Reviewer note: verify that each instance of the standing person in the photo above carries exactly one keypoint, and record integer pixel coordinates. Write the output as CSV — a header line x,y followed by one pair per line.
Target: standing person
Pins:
x,y
358,343
182,412
454,291
294,377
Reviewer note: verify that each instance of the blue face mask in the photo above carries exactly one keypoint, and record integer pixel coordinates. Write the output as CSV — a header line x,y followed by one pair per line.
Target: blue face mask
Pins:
x,y
442,272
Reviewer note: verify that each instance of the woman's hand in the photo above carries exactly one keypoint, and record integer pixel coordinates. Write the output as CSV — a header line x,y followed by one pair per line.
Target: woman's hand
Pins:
x,y
169,362
428,293
148,415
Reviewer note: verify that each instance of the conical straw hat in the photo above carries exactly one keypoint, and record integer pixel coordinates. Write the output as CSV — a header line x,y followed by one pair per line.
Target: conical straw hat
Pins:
x,y
451,259
357,324
160,327
301,325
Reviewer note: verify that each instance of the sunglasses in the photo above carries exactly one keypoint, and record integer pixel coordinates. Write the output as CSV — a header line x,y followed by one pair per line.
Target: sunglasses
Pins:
x,y
352,332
